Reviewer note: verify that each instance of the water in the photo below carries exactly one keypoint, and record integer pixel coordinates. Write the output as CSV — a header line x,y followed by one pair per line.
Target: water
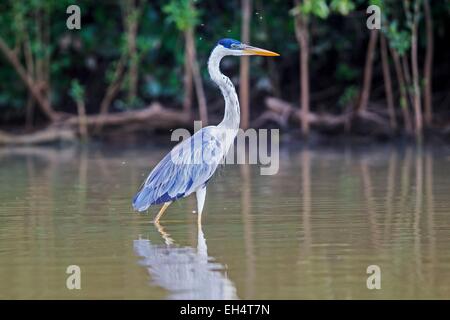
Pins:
x,y
310,231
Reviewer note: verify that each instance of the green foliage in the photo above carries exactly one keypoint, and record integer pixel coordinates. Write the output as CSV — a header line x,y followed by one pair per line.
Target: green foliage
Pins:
x,y
348,96
77,91
343,7
322,9
379,3
182,13
399,40
318,8
346,73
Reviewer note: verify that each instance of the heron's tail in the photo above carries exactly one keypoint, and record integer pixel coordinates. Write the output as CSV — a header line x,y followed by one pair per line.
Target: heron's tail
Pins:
x,y
141,200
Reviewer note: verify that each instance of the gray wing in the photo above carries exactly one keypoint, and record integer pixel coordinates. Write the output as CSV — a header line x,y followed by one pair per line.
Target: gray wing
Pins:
x,y
186,168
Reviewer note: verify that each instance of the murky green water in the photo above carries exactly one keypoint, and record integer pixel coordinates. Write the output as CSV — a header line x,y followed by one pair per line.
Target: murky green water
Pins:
x,y
310,231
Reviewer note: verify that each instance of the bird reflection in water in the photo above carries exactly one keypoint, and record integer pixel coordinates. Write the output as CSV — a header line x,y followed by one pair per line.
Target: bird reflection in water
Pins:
x,y
186,272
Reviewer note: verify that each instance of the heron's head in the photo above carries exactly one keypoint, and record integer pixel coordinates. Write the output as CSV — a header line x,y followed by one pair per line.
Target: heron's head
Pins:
x,y
236,48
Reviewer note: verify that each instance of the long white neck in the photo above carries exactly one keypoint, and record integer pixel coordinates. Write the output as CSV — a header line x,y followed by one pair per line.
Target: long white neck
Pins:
x,y
232,111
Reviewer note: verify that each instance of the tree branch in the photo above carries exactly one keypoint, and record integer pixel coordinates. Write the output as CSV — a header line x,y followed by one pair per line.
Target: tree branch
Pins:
x,y
28,81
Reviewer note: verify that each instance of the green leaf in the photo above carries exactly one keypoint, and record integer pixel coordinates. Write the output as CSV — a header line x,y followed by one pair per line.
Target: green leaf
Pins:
x,y
318,8
348,96
343,7
76,90
182,13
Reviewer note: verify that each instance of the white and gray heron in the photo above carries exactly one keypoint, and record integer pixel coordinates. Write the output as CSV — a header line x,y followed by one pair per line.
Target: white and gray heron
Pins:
x,y
191,163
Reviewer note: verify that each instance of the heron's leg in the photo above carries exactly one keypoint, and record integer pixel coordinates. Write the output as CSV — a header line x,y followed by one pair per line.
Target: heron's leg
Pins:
x,y
161,212
201,194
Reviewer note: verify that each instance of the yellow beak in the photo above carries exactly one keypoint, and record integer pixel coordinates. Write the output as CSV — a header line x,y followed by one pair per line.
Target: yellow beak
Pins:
x,y
249,50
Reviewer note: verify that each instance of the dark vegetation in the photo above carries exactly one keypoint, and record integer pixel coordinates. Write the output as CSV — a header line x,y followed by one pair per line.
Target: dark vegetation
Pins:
x,y
140,66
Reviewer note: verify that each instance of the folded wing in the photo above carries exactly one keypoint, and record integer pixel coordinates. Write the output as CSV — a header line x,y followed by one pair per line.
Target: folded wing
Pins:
x,y
186,168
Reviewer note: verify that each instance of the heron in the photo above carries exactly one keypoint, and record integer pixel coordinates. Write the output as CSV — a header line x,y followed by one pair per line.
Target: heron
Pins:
x,y
189,166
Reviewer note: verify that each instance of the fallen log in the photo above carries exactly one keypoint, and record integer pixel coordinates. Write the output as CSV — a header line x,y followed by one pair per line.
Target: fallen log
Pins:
x,y
47,135
67,128
281,112
154,115
268,116
289,111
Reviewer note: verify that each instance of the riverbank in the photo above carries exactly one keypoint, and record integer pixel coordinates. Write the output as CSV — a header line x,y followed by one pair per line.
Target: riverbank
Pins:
x,y
359,135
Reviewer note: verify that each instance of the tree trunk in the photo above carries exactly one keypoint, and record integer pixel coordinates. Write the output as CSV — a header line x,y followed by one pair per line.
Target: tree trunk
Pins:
x,y
82,120
133,70
367,80
187,79
35,74
42,74
244,85
428,94
200,92
404,105
388,82
131,17
302,35
46,59
39,71
130,13
29,111
113,88
415,74
32,85
408,81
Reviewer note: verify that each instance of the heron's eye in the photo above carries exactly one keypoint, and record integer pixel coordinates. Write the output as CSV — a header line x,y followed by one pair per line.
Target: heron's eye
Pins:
x,y
235,46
